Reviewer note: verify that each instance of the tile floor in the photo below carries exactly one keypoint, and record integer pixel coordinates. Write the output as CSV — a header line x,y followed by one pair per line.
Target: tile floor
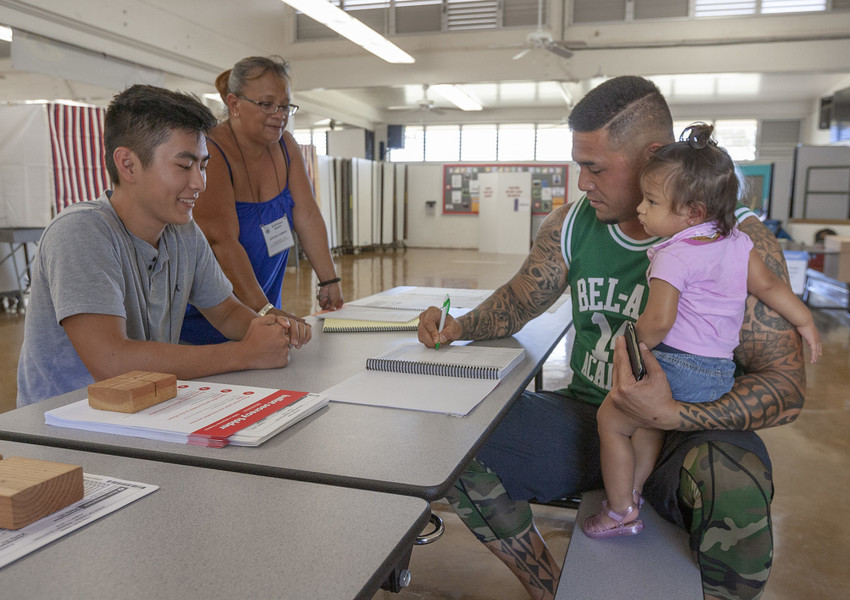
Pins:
x,y
810,456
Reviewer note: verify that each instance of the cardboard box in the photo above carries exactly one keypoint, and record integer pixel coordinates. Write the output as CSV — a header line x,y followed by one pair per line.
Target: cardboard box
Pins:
x,y
836,261
797,261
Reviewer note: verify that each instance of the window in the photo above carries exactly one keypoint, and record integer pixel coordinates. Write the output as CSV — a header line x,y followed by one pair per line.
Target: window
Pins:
x,y
418,16
478,143
304,137
352,5
786,6
516,142
315,137
414,145
392,17
554,143
320,141
722,8
737,136
442,143
660,9
590,11
466,15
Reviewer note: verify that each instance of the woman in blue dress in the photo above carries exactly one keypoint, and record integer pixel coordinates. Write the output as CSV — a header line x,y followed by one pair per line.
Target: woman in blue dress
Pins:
x,y
258,194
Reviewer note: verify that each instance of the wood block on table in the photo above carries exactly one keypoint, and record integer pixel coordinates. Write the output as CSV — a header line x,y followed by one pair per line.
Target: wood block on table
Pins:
x,y
133,391
166,384
31,489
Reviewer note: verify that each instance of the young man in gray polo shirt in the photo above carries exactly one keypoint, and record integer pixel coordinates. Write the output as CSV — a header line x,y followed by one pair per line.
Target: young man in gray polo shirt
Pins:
x,y
113,276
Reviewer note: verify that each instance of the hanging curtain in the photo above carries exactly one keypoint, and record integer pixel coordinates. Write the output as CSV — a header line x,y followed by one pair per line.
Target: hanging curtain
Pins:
x,y
76,140
311,161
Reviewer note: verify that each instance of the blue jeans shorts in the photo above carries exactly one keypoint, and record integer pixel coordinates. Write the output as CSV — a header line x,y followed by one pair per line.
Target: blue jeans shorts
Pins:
x,y
695,378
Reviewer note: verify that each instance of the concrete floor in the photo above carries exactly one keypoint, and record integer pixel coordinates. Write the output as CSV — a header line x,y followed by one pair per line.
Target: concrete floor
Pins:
x,y
812,485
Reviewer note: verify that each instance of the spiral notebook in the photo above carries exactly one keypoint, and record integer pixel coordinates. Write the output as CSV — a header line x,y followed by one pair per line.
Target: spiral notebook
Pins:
x,y
355,318
452,380
470,362
331,325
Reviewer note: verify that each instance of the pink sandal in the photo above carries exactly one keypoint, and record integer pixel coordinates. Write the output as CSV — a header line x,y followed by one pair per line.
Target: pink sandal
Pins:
x,y
594,527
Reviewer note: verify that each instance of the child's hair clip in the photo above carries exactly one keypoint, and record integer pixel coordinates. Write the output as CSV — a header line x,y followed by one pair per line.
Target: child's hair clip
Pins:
x,y
698,135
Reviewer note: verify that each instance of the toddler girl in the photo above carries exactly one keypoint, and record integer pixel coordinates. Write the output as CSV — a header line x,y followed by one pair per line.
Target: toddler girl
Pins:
x,y
699,279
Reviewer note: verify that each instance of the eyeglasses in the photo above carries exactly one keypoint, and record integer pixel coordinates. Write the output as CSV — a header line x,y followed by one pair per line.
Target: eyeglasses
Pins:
x,y
271,108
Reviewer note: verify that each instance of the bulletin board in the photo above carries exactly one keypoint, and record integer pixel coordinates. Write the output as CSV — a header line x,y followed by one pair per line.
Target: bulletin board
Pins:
x,y
757,193
461,191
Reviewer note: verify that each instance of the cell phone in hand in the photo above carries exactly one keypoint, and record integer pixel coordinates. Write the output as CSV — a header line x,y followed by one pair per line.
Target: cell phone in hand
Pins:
x,y
636,360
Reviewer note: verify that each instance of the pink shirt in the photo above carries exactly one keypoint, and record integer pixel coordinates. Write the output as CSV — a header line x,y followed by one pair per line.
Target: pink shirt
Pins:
x,y
711,277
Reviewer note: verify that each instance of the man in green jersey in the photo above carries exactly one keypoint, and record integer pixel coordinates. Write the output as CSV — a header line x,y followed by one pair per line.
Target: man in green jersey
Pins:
x,y
713,477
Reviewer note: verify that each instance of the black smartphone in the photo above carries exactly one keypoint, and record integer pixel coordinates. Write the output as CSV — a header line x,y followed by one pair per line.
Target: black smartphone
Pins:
x,y
638,369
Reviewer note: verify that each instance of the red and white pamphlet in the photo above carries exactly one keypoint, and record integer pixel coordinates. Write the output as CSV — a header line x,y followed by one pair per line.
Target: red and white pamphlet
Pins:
x,y
204,414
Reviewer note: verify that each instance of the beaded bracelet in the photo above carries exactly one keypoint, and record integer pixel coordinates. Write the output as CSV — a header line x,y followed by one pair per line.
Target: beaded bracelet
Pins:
x,y
330,281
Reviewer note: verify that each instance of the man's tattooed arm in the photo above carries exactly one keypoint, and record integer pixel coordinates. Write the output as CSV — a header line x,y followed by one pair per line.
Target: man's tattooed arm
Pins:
x,y
773,389
540,281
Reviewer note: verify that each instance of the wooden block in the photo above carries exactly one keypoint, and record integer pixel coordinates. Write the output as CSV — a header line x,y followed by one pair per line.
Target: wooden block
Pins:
x,y
166,384
132,392
122,395
31,489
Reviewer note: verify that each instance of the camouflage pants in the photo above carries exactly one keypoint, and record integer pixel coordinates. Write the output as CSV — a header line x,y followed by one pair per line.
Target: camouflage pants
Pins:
x,y
724,490
728,492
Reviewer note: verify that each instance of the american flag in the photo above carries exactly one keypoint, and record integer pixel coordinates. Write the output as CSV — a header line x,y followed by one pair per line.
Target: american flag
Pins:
x,y
76,139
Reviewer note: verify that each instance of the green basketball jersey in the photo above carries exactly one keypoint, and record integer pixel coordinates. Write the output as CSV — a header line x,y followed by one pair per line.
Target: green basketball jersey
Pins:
x,y
607,277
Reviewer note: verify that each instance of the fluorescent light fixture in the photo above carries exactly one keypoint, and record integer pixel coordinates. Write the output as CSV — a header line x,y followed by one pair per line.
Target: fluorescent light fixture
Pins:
x,y
347,26
57,101
457,96
5,33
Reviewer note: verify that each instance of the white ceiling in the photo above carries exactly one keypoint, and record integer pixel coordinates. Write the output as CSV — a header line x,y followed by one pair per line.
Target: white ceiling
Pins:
x,y
771,67
681,91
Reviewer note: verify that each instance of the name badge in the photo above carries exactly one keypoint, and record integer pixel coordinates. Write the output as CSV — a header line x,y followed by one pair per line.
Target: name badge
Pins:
x,y
278,236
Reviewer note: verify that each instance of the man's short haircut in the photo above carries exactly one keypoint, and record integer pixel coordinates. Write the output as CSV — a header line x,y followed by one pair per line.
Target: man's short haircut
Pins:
x,y
631,108
143,116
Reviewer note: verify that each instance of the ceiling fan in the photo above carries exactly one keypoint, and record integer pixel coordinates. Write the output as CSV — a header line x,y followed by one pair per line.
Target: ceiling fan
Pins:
x,y
425,104
543,40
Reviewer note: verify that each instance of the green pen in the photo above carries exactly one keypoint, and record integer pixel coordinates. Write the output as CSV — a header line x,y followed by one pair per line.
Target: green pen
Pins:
x,y
443,312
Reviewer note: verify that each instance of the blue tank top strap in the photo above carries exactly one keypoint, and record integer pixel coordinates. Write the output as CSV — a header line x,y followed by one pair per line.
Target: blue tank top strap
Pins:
x,y
230,169
227,162
286,159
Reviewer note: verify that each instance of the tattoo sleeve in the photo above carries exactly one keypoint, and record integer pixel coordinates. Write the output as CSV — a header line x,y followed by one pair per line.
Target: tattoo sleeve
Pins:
x,y
772,390
540,281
